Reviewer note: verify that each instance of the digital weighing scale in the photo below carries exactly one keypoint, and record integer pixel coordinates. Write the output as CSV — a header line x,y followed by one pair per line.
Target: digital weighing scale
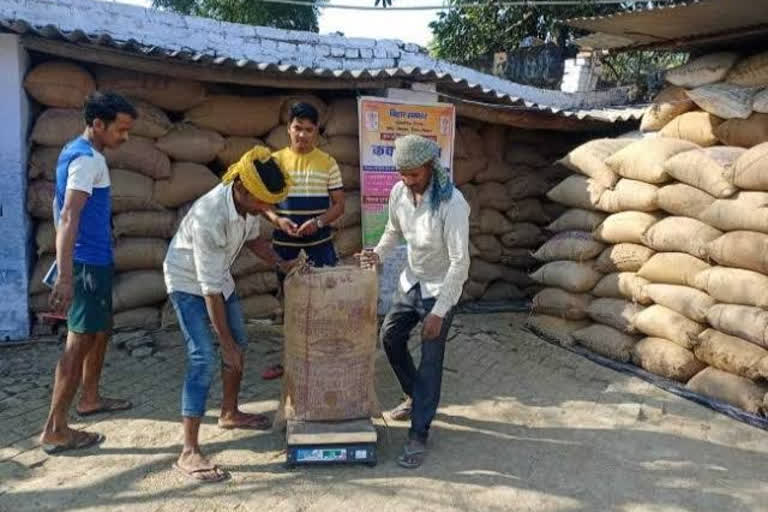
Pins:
x,y
340,442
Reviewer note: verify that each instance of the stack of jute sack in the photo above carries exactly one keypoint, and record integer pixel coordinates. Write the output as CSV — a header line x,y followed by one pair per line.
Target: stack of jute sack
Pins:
x,y
504,173
183,140
660,261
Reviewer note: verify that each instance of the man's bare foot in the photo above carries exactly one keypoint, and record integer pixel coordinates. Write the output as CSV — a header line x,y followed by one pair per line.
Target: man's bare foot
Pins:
x,y
244,420
195,466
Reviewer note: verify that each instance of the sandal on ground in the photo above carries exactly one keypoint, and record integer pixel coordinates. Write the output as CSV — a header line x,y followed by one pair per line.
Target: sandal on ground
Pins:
x,y
413,454
80,441
403,411
210,474
108,405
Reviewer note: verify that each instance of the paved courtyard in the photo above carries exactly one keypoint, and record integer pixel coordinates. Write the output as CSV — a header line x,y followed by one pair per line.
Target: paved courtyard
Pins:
x,y
523,425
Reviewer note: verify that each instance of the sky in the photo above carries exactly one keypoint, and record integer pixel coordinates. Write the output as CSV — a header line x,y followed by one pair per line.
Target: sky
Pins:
x,y
408,26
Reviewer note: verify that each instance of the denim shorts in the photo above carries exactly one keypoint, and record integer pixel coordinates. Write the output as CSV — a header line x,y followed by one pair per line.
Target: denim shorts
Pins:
x,y
202,355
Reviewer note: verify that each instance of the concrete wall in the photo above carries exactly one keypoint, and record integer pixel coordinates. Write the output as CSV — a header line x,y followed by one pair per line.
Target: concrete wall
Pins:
x,y
14,221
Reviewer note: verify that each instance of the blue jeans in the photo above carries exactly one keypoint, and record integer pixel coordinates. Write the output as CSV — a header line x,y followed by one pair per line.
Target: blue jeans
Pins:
x,y
202,356
422,384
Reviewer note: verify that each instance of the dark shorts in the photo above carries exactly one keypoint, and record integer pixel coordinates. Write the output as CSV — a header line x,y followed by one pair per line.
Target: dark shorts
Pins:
x,y
91,309
320,255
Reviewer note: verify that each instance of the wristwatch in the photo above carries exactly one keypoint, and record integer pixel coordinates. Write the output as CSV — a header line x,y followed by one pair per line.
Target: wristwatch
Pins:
x,y
319,222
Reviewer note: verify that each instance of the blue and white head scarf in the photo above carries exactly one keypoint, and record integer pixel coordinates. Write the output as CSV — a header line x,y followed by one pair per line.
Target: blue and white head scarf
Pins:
x,y
412,151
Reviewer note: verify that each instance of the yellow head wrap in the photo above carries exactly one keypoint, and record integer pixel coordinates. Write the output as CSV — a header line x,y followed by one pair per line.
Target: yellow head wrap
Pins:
x,y
249,176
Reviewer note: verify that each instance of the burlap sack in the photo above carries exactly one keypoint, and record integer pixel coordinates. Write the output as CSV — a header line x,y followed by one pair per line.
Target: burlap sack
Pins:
x,y
147,319
483,271
237,115
622,285
290,101
248,263
493,222
623,258
468,143
350,176
494,195
760,102
496,170
616,313
589,159
527,210
629,195
667,359
625,227
673,268
188,181
517,277
705,169
168,317
696,127
726,101
749,170
746,133
137,289
746,322
261,283
556,329
188,143
728,353
342,118
741,249
60,84
345,149
161,91
234,148
552,210
606,341
42,163
750,72
494,139
687,301
684,200
518,258
473,290
502,291
42,266
159,224
577,192
561,304
708,69
140,253
348,241
259,306
152,122
57,126
523,234
465,169
140,154
45,238
131,191
525,184
570,245
523,154
729,388
572,276
667,105
661,322
489,247
40,199
330,345
734,286
577,219
680,234
644,159
746,210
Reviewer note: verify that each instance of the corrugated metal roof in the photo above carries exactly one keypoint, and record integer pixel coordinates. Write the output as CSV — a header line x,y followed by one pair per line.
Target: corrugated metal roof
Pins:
x,y
687,25
161,35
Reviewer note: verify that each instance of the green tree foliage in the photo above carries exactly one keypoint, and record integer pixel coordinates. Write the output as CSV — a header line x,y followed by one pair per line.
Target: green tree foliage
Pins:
x,y
249,12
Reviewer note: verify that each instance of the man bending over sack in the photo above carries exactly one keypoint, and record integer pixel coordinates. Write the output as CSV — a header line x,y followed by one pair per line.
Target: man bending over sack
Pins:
x,y
432,216
202,291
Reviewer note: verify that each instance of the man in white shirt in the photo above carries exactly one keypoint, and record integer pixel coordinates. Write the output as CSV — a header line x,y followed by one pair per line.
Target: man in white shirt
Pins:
x,y
432,216
202,291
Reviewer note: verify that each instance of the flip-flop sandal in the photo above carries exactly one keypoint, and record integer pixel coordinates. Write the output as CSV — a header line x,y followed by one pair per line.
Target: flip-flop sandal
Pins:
x,y
197,475
272,373
402,412
78,442
108,405
412,456
258,422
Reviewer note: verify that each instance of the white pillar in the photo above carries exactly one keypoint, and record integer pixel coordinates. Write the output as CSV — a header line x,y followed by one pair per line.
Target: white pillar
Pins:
x,y
15,248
